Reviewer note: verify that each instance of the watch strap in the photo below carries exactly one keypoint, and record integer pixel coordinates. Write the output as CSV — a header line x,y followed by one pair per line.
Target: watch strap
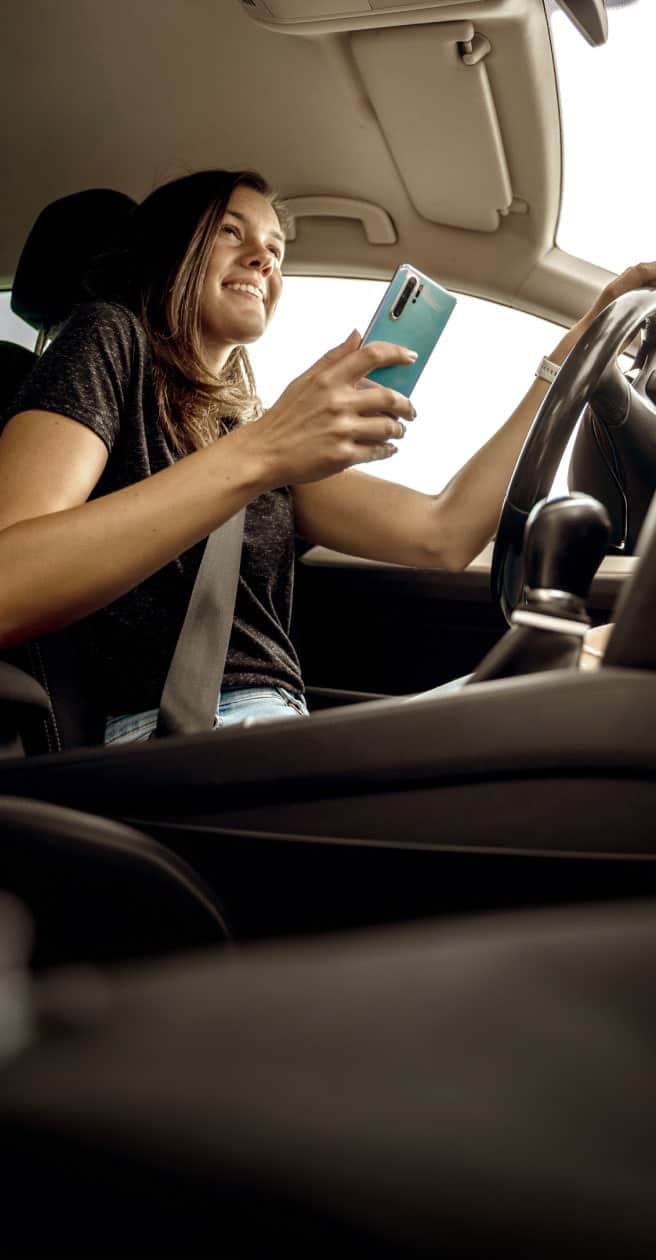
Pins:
x,y
547,371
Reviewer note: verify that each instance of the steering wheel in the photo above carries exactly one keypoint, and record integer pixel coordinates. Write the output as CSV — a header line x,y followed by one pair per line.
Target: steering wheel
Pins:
x,y
590,374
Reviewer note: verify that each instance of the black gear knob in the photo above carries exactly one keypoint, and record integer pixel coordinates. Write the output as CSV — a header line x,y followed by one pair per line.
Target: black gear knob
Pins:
x,y
565,542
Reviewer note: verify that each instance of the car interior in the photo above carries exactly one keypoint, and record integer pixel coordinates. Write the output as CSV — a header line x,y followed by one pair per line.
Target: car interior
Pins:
x,y
426,131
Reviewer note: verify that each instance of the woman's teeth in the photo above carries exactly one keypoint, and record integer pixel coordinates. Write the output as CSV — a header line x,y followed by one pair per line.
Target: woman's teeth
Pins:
x,y
246,288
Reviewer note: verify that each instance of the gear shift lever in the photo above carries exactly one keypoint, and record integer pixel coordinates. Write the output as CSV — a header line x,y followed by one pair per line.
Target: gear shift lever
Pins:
x,y
564,544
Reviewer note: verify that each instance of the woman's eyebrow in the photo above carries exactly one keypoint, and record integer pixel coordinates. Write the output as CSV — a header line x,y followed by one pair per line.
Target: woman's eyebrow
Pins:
x,y
237,214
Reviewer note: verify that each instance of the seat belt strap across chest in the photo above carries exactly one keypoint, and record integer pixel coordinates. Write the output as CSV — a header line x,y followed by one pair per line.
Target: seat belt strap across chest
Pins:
x,y
193,682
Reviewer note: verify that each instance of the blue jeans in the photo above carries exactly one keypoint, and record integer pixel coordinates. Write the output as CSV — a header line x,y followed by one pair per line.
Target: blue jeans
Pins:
x,y
245,705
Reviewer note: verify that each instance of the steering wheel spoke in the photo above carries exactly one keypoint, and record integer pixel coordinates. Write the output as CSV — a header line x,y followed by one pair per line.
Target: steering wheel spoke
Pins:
x,y
611,397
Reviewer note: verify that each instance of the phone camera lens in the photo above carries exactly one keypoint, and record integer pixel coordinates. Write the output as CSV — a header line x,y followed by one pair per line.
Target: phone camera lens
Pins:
x,y
406,292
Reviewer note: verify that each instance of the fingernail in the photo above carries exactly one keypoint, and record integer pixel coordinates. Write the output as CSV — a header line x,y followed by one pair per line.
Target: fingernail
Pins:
x,y
412,355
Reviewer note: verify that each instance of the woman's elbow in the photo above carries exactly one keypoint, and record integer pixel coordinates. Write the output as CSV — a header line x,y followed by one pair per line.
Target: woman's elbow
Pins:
x,y
448,547
452,538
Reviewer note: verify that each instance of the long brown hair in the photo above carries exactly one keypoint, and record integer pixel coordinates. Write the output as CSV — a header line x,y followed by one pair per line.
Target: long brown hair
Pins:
x,y
165,259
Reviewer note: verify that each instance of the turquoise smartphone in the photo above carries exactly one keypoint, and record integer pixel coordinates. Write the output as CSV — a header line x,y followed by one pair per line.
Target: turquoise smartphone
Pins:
x,y
413,312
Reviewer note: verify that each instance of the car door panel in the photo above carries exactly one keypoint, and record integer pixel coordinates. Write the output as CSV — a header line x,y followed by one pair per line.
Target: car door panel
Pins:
x,y
385,629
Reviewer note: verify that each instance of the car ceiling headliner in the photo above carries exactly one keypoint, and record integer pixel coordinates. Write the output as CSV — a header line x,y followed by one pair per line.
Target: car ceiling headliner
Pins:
x,y
128,95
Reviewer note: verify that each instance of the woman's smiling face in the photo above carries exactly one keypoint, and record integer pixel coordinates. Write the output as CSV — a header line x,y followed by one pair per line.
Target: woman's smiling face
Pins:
x,y
243,280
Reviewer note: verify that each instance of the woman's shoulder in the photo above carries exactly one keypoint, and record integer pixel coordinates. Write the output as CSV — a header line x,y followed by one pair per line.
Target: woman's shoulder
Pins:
x,y
108,317
105,336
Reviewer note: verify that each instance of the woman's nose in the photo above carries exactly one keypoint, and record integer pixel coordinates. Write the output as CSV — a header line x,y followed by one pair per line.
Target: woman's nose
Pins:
x,y
261,259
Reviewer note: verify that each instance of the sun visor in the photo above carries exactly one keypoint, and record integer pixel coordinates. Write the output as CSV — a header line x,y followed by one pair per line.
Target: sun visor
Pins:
x,y
312,13
430,90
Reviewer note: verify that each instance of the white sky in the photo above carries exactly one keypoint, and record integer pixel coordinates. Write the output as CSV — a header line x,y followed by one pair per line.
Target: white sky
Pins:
x,y
607,98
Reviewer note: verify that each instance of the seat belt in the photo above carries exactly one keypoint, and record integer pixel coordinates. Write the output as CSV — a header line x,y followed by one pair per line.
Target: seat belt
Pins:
x,y
193,682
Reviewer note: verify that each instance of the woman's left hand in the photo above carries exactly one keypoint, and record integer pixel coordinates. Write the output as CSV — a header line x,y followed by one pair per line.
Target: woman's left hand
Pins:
x,y
640,276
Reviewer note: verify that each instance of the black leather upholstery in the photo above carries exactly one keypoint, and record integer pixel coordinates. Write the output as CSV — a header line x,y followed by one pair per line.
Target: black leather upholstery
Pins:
x,y
99,890
96,889
15,363
23,706
70,721
474,1090
66,236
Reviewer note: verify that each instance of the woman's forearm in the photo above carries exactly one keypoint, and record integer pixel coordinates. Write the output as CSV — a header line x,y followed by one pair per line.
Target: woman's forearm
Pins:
x,y
63,556
59,567
467,510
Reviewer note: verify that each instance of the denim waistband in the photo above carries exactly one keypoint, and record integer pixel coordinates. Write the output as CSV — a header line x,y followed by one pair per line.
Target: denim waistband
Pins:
x,y
237,706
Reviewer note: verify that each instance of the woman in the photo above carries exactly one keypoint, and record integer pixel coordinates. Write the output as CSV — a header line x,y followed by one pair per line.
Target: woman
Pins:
x,y
118,426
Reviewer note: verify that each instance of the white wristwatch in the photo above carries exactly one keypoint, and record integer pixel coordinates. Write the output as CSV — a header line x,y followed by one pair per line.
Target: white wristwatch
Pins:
x,y
547,371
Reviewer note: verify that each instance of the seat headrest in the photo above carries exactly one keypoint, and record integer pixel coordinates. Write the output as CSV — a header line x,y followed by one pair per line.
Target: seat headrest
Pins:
x,y
15,363
66,236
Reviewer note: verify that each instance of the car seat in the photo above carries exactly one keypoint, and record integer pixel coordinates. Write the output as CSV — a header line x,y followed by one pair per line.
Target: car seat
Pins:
x,y
97,889
68,236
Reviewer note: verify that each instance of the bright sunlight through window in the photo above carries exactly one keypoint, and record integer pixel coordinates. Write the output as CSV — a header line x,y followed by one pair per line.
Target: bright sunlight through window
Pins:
x,y
480,368
606,97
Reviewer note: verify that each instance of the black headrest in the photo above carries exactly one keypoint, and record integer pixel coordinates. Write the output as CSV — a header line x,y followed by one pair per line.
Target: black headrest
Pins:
x,y
15,363
67,235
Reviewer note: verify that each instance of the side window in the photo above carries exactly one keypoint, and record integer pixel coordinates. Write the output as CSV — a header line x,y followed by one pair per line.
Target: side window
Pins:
x,y
481,367
11,327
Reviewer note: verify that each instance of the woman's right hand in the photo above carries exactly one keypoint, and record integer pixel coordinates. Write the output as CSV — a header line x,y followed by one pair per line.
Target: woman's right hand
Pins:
x,y
325,421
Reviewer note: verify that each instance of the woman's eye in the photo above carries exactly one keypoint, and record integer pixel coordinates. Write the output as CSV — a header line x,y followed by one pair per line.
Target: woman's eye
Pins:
x,y
229,227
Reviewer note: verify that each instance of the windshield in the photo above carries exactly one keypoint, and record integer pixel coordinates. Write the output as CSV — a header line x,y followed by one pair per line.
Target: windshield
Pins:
x,y
606,99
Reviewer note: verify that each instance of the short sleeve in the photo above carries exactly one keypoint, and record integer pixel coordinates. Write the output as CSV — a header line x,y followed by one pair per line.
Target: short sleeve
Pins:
x,y
85,371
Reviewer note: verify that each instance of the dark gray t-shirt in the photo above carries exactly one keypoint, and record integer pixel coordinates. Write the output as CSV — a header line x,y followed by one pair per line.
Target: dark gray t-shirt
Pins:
x,y
98,371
